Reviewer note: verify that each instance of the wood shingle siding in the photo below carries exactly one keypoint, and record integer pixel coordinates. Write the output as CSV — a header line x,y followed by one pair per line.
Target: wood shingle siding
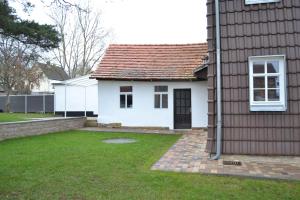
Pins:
x,y
254,30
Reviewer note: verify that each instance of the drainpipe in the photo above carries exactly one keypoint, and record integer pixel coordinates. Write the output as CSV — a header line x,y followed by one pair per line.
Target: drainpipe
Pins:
x,y
85,101
219,108
65,114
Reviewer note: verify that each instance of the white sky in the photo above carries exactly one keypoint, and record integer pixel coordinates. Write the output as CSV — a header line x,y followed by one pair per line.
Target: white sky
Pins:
x,y
145,21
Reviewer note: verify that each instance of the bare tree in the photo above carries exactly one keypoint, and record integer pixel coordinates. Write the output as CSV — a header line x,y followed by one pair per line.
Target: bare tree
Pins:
x,y
27,5
82,39
16,73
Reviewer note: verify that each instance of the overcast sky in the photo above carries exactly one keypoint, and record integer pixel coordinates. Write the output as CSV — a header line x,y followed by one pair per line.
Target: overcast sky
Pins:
x,y
146,21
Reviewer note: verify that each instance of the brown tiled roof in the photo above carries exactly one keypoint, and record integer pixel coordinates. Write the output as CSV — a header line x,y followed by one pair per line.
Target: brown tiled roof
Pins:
x,y
151,62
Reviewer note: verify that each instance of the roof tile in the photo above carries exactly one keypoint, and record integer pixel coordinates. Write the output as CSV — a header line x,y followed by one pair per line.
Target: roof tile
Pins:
x,y
151,62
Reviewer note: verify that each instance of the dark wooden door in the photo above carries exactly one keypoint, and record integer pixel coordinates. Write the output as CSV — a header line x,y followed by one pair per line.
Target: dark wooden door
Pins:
x,y
182,109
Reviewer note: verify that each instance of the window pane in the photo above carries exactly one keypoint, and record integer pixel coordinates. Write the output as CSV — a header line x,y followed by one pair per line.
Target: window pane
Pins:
x,y
273,82
259,95
157,101
182,95
177,102
258,67
129,101
188,102
273,95
122,101
273,66
182,110
182,102
164,101
126,89
161,88
259,82
187,110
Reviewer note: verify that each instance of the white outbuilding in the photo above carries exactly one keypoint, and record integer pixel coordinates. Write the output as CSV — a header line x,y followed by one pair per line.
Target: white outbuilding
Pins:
x,y
153,86
76,97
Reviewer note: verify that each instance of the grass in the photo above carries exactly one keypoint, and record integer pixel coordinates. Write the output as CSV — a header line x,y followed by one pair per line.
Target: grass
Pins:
x,y
14,117
77,165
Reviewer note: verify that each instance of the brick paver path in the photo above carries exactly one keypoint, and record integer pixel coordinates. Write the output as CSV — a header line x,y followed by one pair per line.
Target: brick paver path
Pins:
x,y
188,155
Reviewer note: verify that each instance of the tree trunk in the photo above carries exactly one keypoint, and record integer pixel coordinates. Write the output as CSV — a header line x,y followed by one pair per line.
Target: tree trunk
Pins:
x,y
7,103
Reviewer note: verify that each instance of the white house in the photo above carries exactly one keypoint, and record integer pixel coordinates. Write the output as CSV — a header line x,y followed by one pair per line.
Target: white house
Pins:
x,y
50,75
76,97
153,86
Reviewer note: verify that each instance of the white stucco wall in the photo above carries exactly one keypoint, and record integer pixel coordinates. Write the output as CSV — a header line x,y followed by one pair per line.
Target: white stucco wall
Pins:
x,y
143,113
75,98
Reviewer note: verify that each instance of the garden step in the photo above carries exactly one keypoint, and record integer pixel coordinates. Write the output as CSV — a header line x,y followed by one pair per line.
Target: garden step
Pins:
x,y
91,123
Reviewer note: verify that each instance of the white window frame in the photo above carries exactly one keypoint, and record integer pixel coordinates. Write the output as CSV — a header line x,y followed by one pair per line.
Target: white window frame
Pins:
x,y
266,105
160,97
126,96
249,2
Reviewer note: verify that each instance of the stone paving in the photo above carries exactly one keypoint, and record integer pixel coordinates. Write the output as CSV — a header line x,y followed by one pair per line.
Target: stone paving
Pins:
x,y
188,155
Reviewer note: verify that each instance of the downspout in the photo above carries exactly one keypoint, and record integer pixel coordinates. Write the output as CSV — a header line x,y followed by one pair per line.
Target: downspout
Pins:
x,y
65,114
219,108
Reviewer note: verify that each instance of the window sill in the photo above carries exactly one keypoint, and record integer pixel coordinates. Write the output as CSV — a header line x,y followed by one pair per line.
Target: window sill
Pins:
x,y
250,2
270,108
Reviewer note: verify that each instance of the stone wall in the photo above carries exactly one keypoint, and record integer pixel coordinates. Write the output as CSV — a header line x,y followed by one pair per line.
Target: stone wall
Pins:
x,y
39,127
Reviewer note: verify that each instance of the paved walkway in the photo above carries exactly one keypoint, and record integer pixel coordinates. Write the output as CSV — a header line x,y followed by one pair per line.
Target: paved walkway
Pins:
x,y
188,155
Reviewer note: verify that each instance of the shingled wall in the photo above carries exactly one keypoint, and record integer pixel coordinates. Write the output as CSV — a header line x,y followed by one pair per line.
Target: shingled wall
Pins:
x,y
254,30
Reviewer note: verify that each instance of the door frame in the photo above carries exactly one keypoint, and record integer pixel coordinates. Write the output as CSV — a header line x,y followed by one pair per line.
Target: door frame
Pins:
x,y
174,105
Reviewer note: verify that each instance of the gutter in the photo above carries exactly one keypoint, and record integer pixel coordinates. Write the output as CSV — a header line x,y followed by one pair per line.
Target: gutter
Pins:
x,y
219,105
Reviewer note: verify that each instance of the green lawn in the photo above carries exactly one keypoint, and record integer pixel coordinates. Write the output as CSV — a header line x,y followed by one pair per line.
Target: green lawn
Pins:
x,y
77,165
13,117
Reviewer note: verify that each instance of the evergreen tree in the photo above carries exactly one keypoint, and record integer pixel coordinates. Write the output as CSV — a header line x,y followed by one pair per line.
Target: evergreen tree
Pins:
x,y
27,32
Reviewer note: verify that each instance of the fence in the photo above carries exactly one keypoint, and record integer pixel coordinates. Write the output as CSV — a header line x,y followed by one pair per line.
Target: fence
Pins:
x,y
29,103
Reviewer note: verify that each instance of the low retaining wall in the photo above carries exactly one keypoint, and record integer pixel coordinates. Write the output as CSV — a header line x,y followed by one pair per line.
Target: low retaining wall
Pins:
x,y
39,127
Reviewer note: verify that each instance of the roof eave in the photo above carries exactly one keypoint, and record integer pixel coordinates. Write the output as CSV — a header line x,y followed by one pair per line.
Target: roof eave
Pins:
x,y
145,79
200,68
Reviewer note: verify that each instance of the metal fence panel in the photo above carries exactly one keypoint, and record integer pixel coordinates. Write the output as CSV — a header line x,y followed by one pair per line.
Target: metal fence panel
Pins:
x,y
2,103
34,104
29,103
49,103
17,104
